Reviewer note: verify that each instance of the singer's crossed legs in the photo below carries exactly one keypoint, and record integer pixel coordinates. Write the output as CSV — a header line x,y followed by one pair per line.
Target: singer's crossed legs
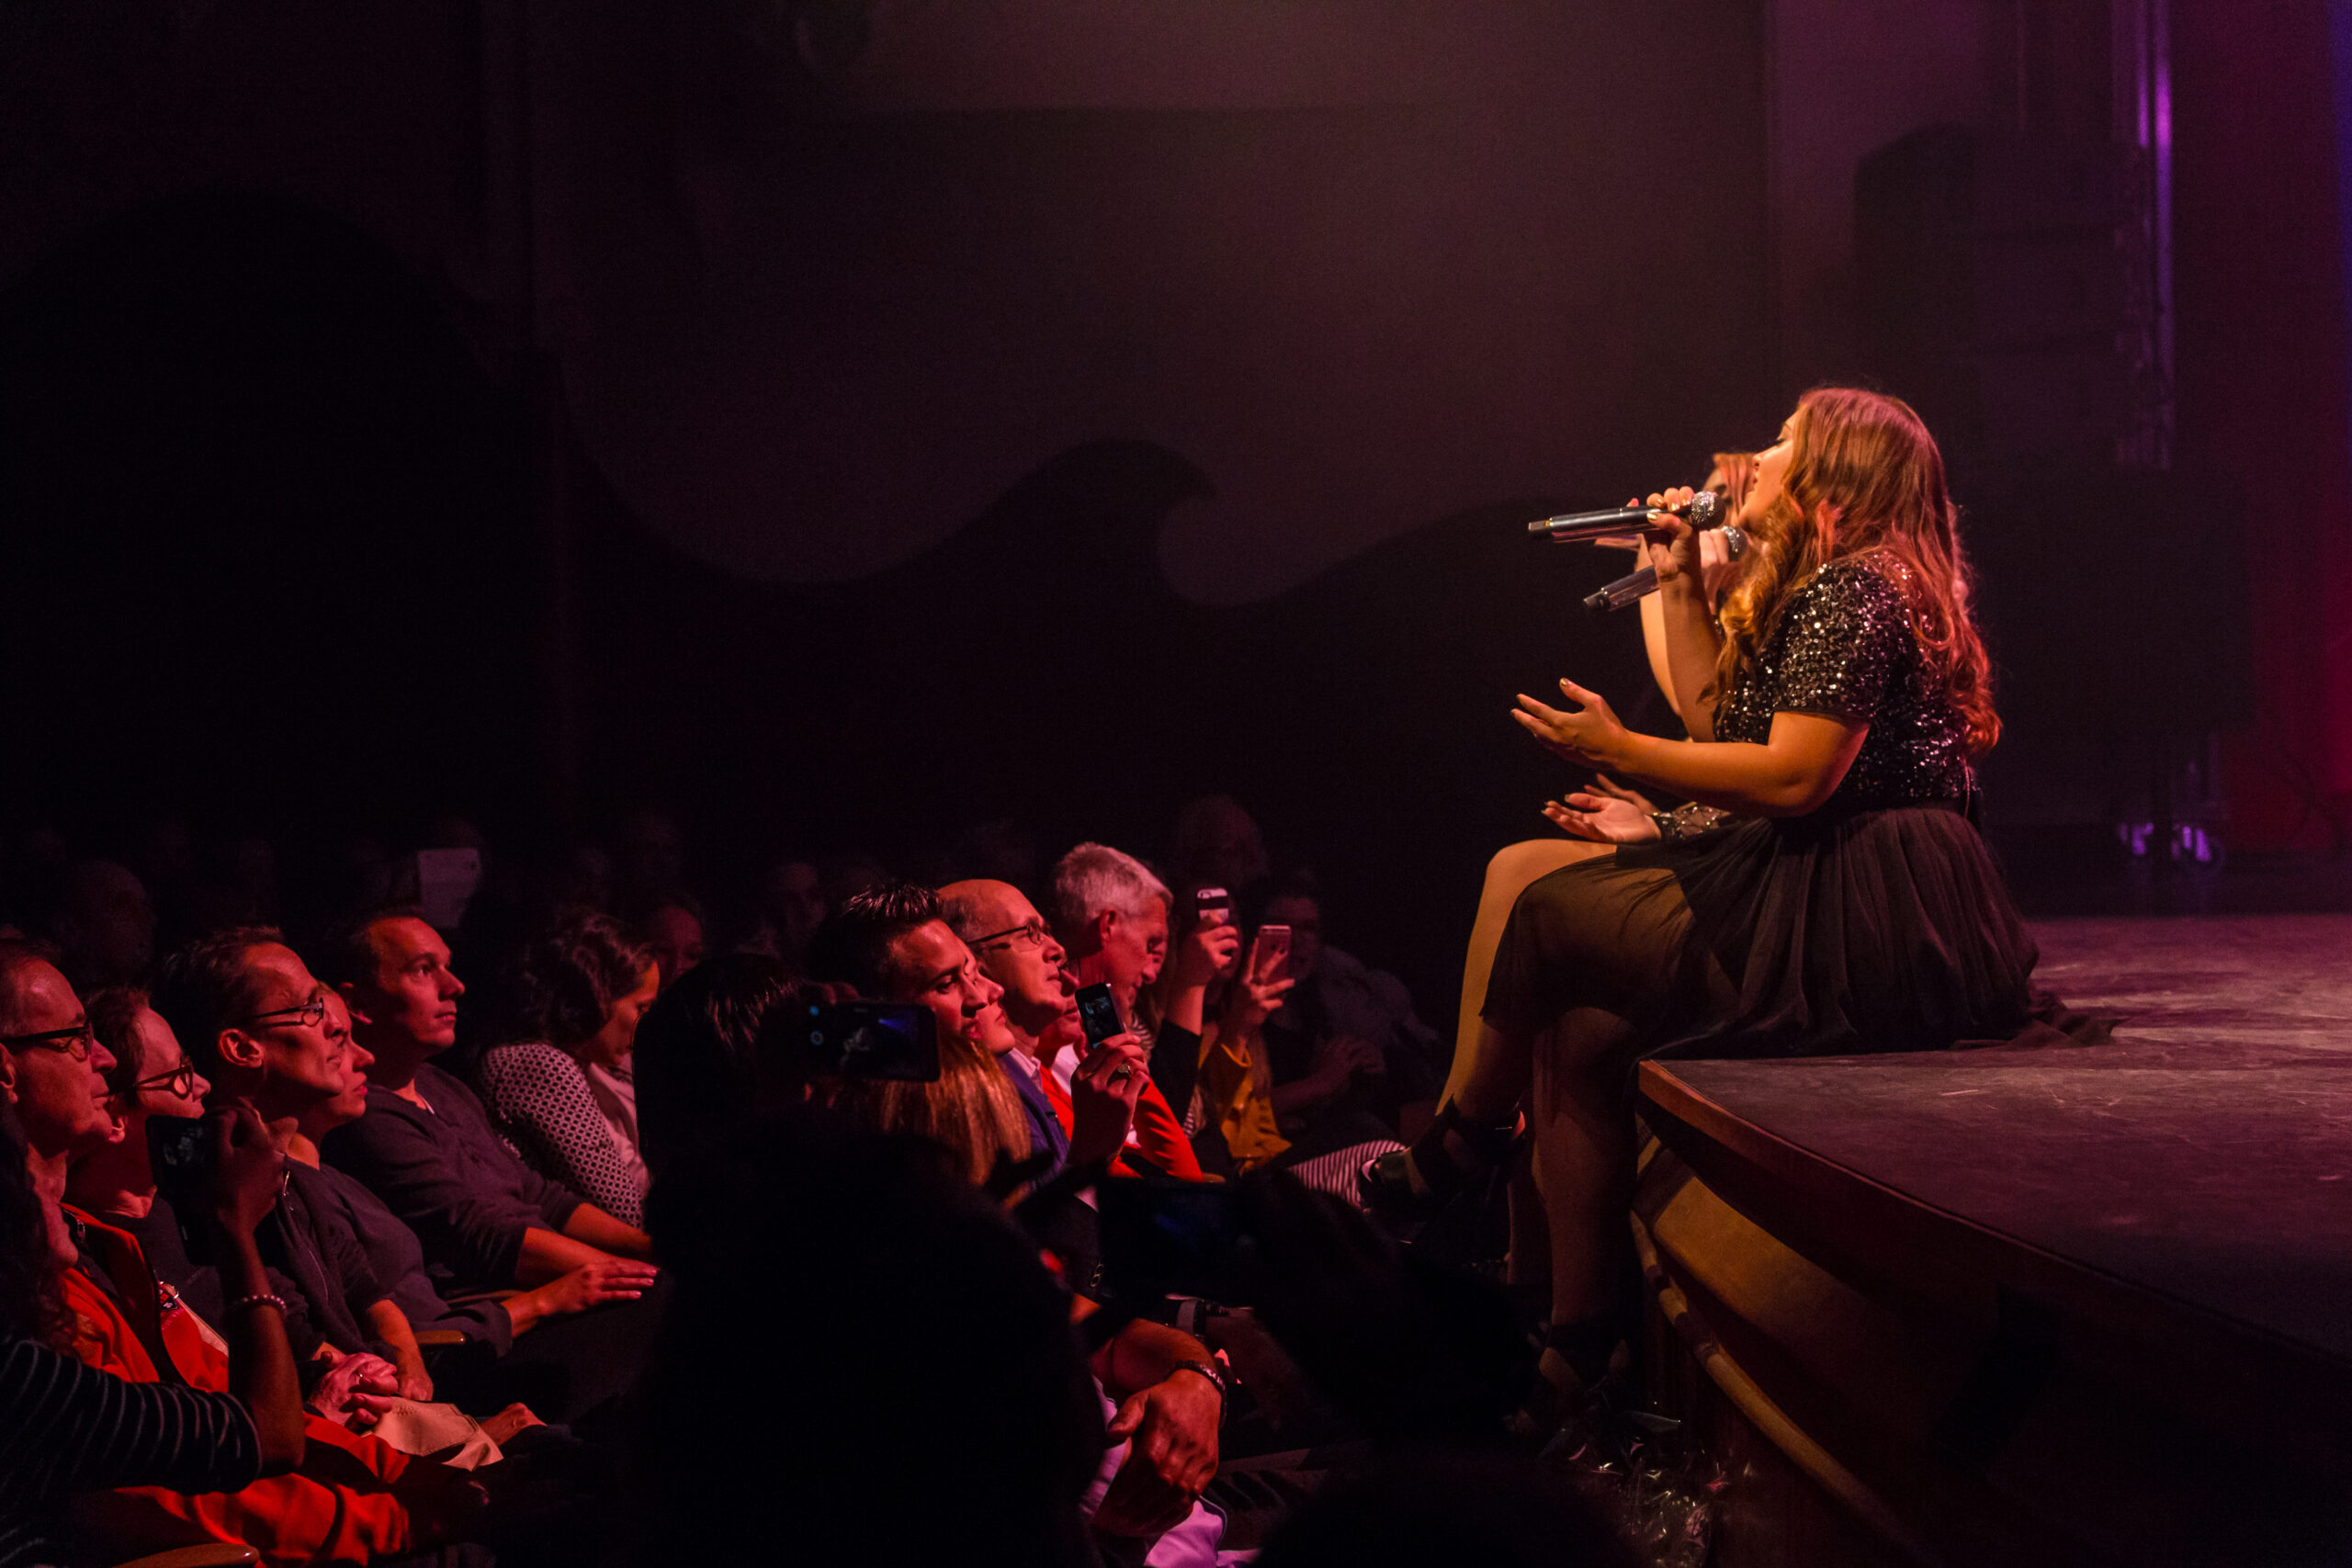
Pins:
x,y
1619,932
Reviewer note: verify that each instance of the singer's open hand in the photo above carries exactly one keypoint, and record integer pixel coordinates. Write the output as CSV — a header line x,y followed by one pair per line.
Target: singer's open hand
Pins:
x,y
1588,734
1608,813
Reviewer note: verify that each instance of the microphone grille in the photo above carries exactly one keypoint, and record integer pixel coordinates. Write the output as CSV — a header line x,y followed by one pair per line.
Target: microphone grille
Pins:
x,y
1706,508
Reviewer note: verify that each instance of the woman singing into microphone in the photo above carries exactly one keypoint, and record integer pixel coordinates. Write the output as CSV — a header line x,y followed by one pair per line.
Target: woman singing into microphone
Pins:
x,y
1826,893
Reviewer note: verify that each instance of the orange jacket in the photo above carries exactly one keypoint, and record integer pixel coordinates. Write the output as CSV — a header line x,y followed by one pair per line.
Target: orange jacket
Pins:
x,y
337,1508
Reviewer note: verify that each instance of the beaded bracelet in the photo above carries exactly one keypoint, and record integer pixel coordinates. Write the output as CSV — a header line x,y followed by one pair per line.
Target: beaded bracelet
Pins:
x,y
260,1298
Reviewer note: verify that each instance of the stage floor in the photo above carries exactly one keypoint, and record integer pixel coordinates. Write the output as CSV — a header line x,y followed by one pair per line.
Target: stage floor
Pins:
x,y
2205,1154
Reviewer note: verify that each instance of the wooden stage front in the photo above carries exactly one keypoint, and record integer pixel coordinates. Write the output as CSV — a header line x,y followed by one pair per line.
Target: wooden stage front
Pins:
x,y
2081,1305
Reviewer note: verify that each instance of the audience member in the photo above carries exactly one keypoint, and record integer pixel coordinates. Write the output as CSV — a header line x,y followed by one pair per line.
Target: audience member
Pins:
x,y
710,1055
648,858
891,945
73,1429
103,925
855,1446
1099,1104
1216,843
1162,1392
792,904
1112,915
425,1145
126,1325
672,933
560,1089
1341,998
470,1353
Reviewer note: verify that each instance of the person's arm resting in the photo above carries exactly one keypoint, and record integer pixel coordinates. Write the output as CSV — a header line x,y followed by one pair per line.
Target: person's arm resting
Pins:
x,y
600,1230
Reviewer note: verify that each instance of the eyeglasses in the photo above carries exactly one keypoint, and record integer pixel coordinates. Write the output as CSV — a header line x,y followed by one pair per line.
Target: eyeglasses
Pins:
x,y
309,1012
180,1080
76,1042
1032,934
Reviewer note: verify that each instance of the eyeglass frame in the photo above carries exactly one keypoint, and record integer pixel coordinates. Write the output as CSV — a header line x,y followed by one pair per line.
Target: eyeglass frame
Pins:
x,y
1034,926
301,1017
187,1069
57,1040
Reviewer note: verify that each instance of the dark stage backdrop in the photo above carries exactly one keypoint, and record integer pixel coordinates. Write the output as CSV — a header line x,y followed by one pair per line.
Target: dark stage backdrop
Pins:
x,y
1033,457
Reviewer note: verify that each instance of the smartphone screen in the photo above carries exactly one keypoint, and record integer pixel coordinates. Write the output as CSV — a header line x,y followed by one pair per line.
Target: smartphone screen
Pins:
x,y
1271,955
893,1040
1213,905
180,1157
1098,1013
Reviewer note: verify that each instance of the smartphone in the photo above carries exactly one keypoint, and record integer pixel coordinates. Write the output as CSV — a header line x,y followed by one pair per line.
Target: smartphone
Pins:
x,y
1098,1013
181,1158
1213,905
1270,955
1175,1238
893,1040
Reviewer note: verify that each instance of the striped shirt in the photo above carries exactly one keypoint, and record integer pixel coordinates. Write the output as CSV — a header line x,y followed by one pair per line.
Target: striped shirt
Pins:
x,y
71,1427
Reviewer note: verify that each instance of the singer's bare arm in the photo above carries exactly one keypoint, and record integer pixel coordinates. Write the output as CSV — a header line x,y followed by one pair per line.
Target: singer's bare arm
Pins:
x,y
1686,620
1794,773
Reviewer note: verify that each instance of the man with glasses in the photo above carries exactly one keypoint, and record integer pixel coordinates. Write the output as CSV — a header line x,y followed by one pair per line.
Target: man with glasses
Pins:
x,y
1110,1110
253,1020
53,1067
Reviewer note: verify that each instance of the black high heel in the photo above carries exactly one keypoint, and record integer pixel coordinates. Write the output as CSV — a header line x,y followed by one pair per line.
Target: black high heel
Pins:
x,y
1385,1182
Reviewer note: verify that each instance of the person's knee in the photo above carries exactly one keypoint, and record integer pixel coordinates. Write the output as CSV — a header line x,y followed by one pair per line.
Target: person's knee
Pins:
x,y
1516,865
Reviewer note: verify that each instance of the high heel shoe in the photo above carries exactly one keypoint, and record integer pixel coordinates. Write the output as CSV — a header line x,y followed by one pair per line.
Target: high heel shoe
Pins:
x,y
1581,1364
1387,1183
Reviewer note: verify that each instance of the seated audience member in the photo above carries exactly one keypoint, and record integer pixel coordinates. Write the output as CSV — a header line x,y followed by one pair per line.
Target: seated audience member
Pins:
x,y
797,1231
425,1145
72,1429
1086,1109
891,945
1162,1390
472,1358
124,1324
792,906
1345,1014
103,925
343,1330
711,1054
1216,843
673,932
1112,916
560,1089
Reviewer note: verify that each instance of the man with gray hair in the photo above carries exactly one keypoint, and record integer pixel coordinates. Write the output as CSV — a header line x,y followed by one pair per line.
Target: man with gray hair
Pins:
x,y
1111,915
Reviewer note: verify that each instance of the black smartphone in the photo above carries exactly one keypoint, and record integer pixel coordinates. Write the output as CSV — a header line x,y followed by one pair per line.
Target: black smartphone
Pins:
x,y
1175,1238
180,1156
897,1040
1098,1013
1212,905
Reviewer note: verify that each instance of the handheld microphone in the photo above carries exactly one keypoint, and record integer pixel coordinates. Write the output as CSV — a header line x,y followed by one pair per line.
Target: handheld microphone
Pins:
x,y
1638,585
1707,510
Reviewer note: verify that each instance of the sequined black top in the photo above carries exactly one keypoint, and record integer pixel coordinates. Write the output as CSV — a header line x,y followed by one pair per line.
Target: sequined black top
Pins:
x,y
1843,647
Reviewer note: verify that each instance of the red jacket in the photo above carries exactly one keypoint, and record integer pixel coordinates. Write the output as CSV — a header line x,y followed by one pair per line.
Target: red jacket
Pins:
x,y
337,1508
1157,1141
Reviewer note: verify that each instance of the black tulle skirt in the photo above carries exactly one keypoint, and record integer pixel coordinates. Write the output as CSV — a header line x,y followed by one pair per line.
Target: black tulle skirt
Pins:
x,y
1835,934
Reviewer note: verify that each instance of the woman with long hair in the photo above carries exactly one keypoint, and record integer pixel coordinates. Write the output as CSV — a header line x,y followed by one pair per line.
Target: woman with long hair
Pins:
x,y
1824,893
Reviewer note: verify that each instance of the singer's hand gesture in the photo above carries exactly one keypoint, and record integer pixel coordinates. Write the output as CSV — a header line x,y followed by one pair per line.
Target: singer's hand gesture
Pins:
x,y
1608,813
1588,735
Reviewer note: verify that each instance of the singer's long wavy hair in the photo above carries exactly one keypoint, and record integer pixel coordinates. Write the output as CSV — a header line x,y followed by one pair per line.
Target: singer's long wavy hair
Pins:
x,y
1865,476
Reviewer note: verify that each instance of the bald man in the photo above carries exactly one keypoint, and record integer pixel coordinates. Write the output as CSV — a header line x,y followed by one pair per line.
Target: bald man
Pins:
x,y
1103,1102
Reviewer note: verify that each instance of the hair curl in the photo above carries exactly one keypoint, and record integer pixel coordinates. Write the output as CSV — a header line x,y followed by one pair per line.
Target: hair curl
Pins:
x,y
1865,474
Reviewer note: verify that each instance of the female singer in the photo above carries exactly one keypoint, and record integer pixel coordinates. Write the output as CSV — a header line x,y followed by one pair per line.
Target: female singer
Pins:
x,y
1824,894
